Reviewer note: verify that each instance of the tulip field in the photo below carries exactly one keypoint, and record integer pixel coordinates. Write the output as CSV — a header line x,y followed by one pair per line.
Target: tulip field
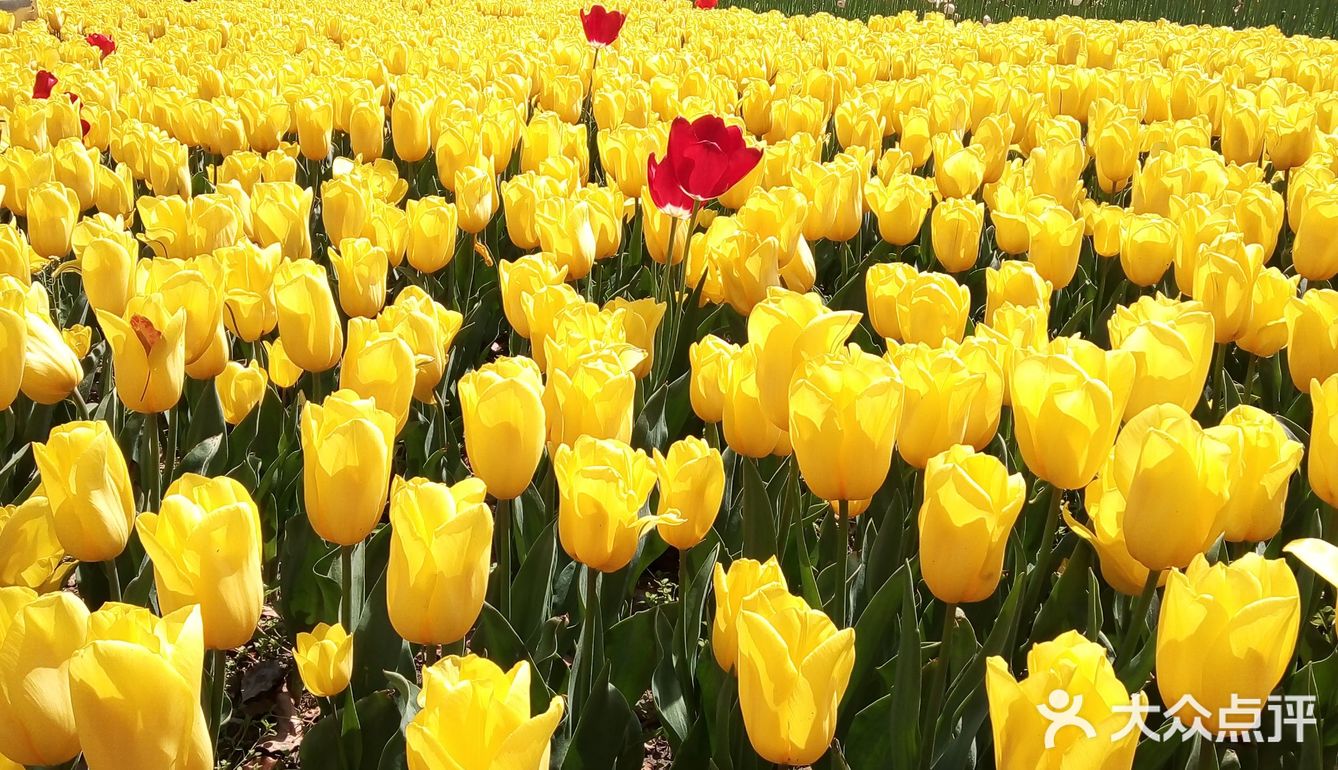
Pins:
x,y
509,385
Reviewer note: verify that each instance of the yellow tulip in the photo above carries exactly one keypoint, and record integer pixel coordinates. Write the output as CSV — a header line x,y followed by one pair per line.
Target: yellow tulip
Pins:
x,y
149,353
956,226
940,390
205,543
787,329
1106,510
602,485
1266,331
367,125
932,308
475,716
361,270
475,196
1105,223
1322,464
709,360
30,552
883,284
324,658
1319,555
1225,637
240,389
1289,136
347,444
835,193
970,505
440,551
566,231
733,589
87,484
1175,479
315,125
958,170
137,671
793,669
114,190
1171,342
746,428
1224,279
433,226
1066,417
37,724
1015,282
281,213
1315,250
13,340
346,208
1312,337
1055,243
1073,665
900,204
692,486
594,396
503,410
308,319
1267,458
429,329
1148,244
844,412
53,209
281,370
379,365
521,278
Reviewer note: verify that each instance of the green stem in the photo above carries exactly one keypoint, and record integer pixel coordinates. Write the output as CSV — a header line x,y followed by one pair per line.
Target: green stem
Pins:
x,y
843,565
218,691
152,470
113,580
1249,378
456,648
582,678
170,455
1046,546
80,404
939,684
346,585
1219,380
1133,632
503,528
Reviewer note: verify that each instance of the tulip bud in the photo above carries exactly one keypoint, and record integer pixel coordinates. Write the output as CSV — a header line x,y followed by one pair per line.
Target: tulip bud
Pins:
x,y
1078,669
844,411
1266,331
324,658
87,484
521,278
1105,508
53,209
154,667
149,353
932,308
1224,278
594,396
240,390
308,319
792,661
1315,250
745,578
205,544
281,212
970,505
746,427
1053,396
37,724
347,444
475,196
1322,463
1225,637
1055,243
1267,459
503,409
602,486
409,127
883,285
346,209
440,551
789,328
957,224
1172,344
709,359
473,712
429,329
1312,337
692,486
432,234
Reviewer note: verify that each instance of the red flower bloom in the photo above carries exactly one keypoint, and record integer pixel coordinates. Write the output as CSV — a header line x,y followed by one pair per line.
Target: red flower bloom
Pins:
x,y
602,25
707,4
43,84
665,191
705,157
102,42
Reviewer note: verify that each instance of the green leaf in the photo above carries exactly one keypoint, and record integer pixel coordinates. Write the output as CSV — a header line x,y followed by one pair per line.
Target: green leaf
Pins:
x,y
869,742
759,523
377,648
904,728
1067,606
532,590
628,640
377,719
666,689
608,736
872,630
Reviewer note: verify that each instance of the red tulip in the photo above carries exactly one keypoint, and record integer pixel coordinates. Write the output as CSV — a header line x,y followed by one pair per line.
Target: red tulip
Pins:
x,y
102,42
602,25
43,84
704,159
707,4
665,191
